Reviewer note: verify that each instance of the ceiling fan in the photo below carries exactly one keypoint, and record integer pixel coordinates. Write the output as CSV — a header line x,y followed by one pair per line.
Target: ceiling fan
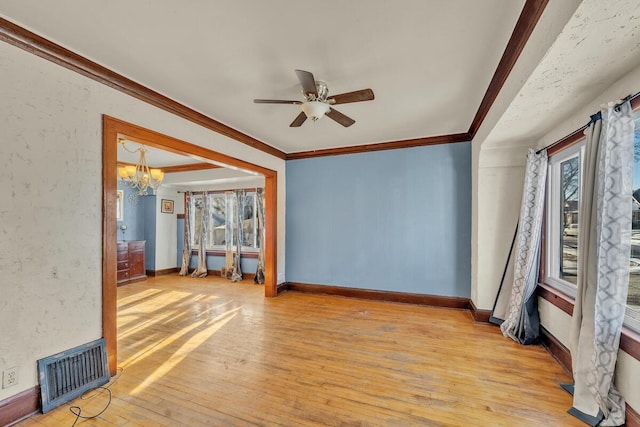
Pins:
x,y
317,101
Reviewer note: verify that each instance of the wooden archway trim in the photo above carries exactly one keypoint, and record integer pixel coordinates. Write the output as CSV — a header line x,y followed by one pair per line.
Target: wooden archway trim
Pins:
x,y
112,129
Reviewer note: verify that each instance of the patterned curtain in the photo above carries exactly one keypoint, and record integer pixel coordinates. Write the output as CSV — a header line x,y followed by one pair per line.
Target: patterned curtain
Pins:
x,y
236,274
604,242
229,197
522,322
203,212
186,249
259,279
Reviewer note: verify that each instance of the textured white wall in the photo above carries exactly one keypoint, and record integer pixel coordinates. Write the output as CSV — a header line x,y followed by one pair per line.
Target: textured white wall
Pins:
x,y
552,318
627,374
626,85
498,208
488,250
497,178
50,219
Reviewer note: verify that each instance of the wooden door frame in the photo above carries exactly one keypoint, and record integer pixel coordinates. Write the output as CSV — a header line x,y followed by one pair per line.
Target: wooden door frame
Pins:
x,y
112,129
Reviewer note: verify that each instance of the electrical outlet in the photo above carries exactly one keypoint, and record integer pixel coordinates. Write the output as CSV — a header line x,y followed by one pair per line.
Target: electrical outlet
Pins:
x,y
9,377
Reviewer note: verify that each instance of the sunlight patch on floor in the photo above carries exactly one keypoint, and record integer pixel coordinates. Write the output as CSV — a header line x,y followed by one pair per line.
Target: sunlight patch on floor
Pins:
x,y
135,298
179,300
164,318
183,351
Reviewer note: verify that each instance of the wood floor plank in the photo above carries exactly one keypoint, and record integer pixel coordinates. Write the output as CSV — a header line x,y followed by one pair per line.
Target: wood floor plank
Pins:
x,y
210,352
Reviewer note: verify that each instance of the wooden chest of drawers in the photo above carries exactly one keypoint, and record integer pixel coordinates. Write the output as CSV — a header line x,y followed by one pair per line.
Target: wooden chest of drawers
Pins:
x,y
131,261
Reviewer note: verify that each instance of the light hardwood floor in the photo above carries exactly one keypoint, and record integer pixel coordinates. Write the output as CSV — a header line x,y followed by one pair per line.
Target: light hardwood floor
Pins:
x,y
210,352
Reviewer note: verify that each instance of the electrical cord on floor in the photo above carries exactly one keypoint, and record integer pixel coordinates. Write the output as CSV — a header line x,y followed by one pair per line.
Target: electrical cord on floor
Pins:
x,y
77,410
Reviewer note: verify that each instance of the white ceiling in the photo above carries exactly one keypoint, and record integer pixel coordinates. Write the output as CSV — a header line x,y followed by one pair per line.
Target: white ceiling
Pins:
x,y
212,179
206,178
599,45
155,158
429,62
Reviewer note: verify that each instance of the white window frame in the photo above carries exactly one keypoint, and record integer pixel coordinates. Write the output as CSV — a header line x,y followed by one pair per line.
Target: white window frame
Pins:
x,y
253,248
226,211
632,317
192,220
553,226
229,212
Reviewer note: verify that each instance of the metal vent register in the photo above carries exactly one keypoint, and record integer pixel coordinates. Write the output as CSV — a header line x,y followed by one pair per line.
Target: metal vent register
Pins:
x,y
67,375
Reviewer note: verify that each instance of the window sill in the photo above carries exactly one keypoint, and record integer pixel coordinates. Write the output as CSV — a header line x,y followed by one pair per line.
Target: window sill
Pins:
x,y
215,252
561,300
629,339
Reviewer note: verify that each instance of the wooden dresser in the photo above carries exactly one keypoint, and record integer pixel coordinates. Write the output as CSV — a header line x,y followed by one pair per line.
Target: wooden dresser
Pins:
x,y
131,263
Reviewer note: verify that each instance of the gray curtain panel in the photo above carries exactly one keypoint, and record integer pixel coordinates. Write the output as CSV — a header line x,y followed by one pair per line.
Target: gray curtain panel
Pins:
x,y
521,320
186,248
203,212
236,274
604,247
259,279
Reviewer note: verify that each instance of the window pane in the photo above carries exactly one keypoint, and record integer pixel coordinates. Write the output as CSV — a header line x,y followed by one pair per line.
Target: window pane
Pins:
x,y
248,221
196,219
633,298
234,219
569,200
258,228
221,209
219,220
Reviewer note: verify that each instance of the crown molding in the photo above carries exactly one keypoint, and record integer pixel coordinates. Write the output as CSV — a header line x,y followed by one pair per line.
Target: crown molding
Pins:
x,y
188,168
529,17
391,145
177,168
38,45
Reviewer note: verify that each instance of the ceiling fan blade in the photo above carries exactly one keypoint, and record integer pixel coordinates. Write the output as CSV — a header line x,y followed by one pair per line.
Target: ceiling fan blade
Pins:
x,y
299,120
340,118
356,96
307,81
275,101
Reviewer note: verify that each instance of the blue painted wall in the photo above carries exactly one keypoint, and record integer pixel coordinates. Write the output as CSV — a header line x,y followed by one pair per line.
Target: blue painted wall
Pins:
x,y
397,220
133,215
248,265
140,219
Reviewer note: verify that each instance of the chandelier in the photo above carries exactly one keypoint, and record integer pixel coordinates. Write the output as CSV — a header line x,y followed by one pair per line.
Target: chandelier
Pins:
x,y
140,176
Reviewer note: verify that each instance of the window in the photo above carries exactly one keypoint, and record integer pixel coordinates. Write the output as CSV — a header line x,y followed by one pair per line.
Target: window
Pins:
x,y
249,222
563,217
195,220
563,202
218,226
222,209
633,297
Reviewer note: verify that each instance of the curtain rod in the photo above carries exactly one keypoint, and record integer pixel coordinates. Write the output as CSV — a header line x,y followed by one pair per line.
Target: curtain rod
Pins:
x,y
597,116
218,191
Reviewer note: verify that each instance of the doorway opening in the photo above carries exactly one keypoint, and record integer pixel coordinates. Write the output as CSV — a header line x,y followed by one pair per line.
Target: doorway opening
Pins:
x,y
112,130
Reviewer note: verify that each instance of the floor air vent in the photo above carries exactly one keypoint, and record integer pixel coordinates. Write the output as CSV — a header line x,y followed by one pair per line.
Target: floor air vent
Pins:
x,y
67,375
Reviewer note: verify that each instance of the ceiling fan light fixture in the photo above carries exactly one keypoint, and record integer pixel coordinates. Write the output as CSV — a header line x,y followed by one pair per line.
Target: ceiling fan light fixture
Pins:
x,y
318,103
314,110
